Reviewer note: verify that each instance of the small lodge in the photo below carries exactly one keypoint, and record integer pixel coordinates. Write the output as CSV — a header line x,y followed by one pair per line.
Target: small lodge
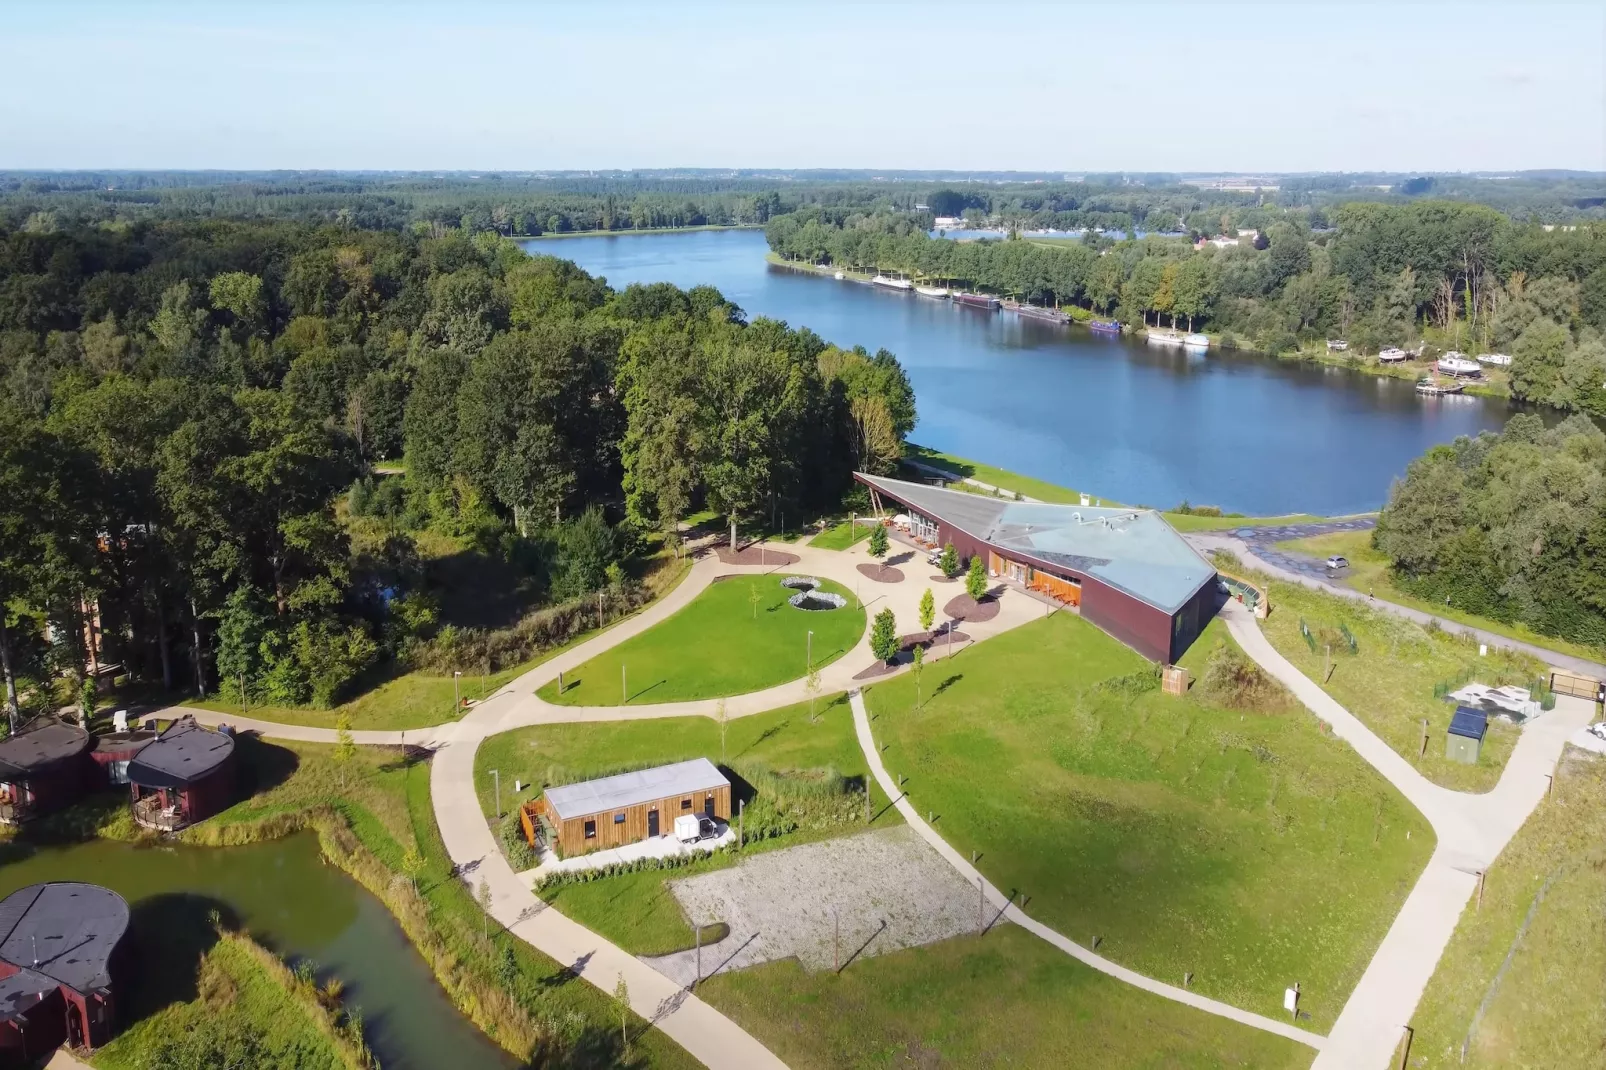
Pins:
x,y
184,775
1125,570
61,946
1464,740
42,768
626,808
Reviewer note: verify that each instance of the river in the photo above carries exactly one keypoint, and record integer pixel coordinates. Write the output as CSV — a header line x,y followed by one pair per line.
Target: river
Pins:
x,y
1111,417
287,897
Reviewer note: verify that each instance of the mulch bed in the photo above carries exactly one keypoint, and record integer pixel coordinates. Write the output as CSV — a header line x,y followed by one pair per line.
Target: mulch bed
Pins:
x,y
967,608
756,555
940,578
881,573
907,643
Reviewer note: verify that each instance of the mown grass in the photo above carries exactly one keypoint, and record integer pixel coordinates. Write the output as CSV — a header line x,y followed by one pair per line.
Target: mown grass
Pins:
x,y
244,984
1006,999
722,643
844,535
1243,846
1546,1012
1369,572
1389,683
636,910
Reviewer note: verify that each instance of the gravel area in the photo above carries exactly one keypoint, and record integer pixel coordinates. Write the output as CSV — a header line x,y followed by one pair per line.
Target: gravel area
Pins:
x,y
889,889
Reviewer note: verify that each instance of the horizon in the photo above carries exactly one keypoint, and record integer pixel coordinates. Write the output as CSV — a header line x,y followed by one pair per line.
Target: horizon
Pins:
x,y
1147,88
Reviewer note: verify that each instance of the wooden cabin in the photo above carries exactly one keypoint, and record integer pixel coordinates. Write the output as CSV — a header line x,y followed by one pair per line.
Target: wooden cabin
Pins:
x,y
626,808
61,946
42,768
184,775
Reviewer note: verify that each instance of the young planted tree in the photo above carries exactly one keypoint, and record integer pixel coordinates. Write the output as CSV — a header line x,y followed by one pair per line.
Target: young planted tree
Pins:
x,y
928,610
976,579
950,561
484,898
878,542
621,1006
811,685
884,636
753,597
345,746
412,865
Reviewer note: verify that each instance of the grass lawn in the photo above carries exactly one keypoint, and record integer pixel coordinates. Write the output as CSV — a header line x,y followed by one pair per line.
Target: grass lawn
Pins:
x,y
843,535
636,910
1246,847
722,643
1369,571
1389,683
1546,1013
1052,492
1006,999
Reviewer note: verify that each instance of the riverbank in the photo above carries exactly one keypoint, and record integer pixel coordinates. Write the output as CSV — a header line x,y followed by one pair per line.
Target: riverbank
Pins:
x,y
645,230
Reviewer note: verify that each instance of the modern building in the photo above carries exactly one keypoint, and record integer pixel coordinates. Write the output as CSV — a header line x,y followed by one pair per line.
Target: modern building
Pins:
x,y
60,948
1464,740
42,768
626,808
1126,570
184,775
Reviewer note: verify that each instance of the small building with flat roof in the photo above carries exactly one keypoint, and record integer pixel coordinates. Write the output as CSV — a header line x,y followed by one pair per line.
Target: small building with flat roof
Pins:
x,y
184,775
42,768
626,808
1464,740
61,947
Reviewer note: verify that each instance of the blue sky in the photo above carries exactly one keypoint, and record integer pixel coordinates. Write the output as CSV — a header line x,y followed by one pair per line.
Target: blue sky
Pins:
x,y
479,86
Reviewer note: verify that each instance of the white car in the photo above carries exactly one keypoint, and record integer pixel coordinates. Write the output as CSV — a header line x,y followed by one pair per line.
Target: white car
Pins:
x,y
1337,562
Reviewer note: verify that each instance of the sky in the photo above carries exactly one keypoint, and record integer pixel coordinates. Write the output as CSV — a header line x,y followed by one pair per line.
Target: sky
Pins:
x,y
472,85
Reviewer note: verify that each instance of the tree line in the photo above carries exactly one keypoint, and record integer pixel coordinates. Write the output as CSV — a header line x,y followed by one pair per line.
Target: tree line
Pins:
x,y
1510,526
195,409
1463,276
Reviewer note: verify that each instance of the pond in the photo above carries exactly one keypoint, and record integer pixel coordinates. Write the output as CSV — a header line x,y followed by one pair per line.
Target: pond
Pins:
x,y
1108,416
289,899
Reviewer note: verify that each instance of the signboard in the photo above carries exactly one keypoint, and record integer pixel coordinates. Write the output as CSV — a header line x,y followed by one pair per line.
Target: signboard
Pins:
x,y
1291,999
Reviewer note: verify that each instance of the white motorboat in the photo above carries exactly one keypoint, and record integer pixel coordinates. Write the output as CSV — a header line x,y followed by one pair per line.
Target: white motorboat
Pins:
x,y
1196,341
1393,355
1163,336
940,293
840,275
891,283
1336,345
1453,363
1498,360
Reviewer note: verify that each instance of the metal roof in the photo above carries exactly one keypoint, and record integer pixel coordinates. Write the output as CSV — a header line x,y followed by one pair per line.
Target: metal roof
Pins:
x,y
182,754
1469,722
20,992
65,931
632,789
1133,550
43,743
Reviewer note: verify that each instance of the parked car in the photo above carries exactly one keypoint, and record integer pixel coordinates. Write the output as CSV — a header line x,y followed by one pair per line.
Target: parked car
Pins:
x,y
689,828
1337,562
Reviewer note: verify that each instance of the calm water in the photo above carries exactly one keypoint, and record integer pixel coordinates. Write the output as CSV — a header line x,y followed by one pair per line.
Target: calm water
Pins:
x,y
289,899
1114,418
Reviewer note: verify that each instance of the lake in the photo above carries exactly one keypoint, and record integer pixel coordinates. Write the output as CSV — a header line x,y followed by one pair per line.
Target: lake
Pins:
x,y
1111,417
286,896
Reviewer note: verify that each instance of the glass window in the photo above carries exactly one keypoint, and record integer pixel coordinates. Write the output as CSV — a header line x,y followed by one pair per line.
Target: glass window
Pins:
x,y
685,804
591,830
618,819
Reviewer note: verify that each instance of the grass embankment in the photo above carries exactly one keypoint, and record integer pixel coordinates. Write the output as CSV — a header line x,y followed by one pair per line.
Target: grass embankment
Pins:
x,y
965,468
1243,845
1005,999
1496,382
1369,572
244,991
780,753
722,643
1389,682
1542,909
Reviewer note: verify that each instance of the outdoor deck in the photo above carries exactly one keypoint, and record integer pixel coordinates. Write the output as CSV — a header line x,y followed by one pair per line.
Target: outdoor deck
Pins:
x,y
150,813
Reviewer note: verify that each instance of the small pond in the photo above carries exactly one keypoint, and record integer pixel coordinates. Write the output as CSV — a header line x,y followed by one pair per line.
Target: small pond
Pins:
x,y
809,597
291,900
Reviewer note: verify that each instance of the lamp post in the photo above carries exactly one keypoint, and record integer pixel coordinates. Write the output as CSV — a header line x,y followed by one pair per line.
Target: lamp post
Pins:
x,y
457,700
496,775
809,650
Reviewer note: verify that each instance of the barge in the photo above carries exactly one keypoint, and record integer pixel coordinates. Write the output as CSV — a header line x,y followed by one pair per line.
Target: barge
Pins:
x,y
987,301
1104,326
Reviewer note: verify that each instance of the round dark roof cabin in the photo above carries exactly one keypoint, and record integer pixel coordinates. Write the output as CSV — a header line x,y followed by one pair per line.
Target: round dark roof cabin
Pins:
x,y
184,775
61,947
42,768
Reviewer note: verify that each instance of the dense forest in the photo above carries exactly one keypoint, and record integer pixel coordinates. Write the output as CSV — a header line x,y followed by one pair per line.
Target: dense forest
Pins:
x,y
1464,276
1510,526
195,410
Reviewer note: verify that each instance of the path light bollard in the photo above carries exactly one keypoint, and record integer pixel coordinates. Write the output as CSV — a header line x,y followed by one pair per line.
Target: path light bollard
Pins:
x,y
560,681
981,905
1405,1045
1187,979
496,775
699,957
624,688
836,922
1480,889
1097,940
741,823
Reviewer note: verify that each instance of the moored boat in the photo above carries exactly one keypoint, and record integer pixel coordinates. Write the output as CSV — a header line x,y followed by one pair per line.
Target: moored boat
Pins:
x,y
1104,326
1434,388
1038,312
891,283
987,301
1163,336
839,275
939,293
1453,363
1498,360
1336,345
1196,341
1392,355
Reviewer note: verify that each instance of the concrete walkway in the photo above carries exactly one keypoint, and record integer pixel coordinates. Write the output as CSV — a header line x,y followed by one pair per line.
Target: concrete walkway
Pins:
x,y
1472,830
1005,905
1251,554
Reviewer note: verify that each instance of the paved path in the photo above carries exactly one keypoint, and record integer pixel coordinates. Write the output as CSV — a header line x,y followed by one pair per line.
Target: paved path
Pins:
x,y
1257,551
1472,830
1005,905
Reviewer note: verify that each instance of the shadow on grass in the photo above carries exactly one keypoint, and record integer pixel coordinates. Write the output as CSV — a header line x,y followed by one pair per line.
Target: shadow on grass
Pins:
x,y
410,754
161,956
262,766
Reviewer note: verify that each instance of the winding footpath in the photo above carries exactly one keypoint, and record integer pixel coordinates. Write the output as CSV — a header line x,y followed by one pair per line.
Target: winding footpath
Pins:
x,y
1471,829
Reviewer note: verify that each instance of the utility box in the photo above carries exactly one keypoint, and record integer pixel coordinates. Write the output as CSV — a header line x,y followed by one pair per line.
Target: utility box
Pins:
x,y
1174,680
1465,738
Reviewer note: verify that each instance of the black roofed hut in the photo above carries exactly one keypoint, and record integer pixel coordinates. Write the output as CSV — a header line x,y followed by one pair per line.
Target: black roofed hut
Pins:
x,y
184,775
42,768
60,948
